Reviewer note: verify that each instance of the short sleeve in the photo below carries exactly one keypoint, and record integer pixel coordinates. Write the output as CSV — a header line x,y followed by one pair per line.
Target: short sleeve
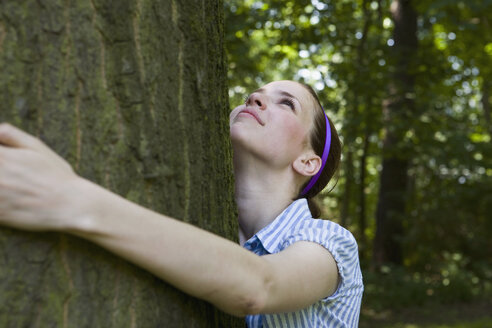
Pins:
x,y
342,246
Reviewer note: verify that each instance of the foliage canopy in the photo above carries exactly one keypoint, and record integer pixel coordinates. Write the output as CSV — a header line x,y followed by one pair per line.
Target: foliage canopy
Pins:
x,y
346,51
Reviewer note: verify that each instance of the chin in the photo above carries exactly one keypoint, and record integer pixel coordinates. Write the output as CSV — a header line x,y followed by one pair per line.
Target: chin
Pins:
x,y
239,137
243,140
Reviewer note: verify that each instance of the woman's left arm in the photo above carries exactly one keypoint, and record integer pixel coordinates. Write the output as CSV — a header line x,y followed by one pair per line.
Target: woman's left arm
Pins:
x,y
39,191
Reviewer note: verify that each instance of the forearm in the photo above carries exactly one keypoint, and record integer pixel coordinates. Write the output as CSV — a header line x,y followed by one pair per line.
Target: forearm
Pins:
x,y
39,191
198,262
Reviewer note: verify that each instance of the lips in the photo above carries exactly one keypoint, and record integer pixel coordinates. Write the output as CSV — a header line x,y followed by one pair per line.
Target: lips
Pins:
x,y
252,113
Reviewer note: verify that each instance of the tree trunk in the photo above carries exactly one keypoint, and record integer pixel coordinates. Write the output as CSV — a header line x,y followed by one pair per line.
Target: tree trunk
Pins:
x,y
133,93
398,107
362,195
348,170
361,63
486,86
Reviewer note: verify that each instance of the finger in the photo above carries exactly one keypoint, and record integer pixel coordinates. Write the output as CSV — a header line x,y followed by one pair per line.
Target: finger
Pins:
x,y
14,137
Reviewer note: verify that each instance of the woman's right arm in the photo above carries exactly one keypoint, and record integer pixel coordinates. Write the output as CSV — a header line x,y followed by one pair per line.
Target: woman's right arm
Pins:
x,y
39,191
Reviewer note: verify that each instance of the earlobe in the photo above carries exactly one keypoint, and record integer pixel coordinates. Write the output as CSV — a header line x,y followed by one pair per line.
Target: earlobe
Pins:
x,y
307,164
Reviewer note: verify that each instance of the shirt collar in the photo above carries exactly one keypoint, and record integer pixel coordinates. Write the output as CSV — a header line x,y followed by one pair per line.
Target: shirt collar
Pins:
x,y
272,235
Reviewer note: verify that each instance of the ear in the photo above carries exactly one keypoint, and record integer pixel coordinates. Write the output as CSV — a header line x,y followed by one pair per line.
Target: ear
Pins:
x,y
308,164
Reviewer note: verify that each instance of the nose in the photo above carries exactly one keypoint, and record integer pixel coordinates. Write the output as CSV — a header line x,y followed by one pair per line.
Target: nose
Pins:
x,y
257,100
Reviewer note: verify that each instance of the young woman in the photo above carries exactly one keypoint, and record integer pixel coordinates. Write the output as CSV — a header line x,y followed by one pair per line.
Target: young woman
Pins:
x,y
291,271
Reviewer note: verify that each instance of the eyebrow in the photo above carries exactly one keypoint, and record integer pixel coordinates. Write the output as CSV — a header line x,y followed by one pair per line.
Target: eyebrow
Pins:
x,y
283,93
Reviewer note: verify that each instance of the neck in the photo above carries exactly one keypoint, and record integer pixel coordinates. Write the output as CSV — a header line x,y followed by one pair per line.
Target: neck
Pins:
x,y
261,193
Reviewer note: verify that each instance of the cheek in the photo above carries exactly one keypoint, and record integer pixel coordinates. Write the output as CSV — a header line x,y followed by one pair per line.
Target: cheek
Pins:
x,y
296,133
290,139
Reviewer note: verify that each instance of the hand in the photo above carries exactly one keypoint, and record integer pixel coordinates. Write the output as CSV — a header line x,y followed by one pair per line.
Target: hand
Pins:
x,y
35,182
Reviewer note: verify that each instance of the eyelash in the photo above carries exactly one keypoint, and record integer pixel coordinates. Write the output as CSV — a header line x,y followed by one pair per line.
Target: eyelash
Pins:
x,y
288,102
285,101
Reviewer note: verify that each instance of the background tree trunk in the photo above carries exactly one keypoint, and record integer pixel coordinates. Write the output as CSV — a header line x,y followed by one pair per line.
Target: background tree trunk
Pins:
x,y
133,93
397,110
486,86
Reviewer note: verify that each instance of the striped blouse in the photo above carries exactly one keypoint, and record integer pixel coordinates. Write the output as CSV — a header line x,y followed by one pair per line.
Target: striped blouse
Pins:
x,y
294,224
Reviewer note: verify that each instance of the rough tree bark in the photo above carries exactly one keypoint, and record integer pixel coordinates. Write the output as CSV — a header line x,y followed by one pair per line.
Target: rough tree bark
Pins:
x,y
398,107
133,93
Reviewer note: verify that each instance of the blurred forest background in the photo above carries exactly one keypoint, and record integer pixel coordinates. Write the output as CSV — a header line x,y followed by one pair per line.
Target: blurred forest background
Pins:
x,y
408,84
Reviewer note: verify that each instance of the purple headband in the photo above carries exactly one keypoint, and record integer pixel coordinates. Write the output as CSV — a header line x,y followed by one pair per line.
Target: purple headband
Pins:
x,y
326,151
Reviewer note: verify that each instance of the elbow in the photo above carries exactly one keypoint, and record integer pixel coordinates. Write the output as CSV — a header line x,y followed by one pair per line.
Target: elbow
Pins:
x,y
253,305
256,299
246,306
253,300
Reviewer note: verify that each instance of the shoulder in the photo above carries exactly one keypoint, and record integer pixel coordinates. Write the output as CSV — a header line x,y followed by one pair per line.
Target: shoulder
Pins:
x,y
337,240
324,232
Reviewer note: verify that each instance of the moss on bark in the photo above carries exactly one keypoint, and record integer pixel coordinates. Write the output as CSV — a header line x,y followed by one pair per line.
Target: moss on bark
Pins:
x,y
133,94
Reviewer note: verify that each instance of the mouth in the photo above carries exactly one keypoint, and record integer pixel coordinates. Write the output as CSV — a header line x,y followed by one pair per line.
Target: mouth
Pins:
x,y
251,113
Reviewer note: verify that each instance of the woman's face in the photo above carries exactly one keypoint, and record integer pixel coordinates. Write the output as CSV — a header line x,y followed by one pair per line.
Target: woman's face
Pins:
x,y
274,123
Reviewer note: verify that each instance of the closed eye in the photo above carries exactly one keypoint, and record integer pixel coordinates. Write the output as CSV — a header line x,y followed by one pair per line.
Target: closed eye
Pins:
x,y
288,102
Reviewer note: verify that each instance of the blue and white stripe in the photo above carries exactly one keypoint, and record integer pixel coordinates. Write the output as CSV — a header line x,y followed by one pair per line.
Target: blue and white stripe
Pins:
x,y
294,224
